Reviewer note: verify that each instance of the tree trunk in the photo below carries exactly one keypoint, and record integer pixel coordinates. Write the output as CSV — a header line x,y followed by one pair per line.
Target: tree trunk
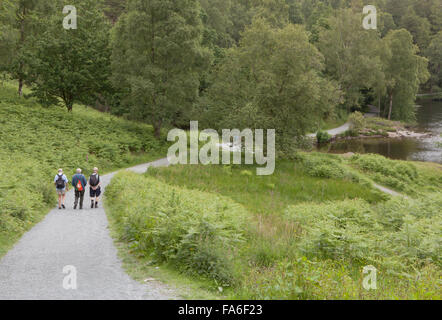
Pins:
x,y
157,129
391,106
22,40
20,87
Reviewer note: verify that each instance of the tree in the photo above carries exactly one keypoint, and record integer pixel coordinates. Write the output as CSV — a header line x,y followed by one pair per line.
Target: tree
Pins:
x,y
434,54
351,55
71,65
113,9
16,28
217,23
404,71
271,81
157,57
386,23
419,27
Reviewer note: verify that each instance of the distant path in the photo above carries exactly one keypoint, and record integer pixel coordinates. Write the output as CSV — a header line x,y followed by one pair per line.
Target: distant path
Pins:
x,y
389,191
33,269
335,131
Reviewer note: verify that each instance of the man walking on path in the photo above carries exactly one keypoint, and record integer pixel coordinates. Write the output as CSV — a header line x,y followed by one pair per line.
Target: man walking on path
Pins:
x,y
61,185
79,183
95,188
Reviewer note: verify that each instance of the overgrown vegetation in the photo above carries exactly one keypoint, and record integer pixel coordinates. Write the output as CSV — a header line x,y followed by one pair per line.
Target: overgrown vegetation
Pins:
x,y
399,175
198,233
310,230
36,141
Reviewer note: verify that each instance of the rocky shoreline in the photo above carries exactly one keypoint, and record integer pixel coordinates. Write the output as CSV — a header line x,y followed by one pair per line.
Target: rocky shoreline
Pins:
x,y
399,134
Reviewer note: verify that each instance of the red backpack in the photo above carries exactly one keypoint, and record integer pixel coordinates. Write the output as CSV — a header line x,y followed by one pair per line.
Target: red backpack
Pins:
x,y
79,186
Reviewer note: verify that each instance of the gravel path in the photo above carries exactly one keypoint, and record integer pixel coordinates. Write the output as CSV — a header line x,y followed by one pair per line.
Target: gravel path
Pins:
x,y
389,191
33,269
335,131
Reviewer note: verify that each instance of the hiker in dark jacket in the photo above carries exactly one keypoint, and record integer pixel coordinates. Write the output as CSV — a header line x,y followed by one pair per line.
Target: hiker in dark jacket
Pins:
x,y
95,188
79,183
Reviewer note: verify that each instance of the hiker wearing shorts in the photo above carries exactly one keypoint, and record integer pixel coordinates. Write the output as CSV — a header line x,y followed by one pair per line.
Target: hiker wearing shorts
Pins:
x,y
61,186
95,188
79,183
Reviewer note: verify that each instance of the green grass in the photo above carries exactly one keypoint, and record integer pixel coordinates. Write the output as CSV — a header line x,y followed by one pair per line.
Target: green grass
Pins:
x,y
290,184
314,225
412,178
383,125
36,141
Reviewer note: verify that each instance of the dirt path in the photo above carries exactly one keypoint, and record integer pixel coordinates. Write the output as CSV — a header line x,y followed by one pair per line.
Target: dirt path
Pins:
x,y
335,131
33,269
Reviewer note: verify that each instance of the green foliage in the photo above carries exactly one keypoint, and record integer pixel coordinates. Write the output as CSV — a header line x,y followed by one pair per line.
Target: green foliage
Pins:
x,y
403,83
399,175
71,65
199,233
344,43
395,236
271,80
292,248
157,59
323,137
357,121
434,53
36,141
294,182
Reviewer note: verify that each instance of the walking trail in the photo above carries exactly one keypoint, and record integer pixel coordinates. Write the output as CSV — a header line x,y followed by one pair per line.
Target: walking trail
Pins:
x,y
33,269
335,131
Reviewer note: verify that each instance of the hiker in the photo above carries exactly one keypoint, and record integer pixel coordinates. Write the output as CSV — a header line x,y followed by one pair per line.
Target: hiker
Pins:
x,y
61,186
95,188
79,183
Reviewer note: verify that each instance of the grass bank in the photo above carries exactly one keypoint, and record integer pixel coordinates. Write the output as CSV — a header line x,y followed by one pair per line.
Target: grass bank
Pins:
x,y
305,232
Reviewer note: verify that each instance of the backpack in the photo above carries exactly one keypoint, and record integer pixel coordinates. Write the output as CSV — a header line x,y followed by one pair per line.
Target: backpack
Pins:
x,y
94,180
60,183
79,186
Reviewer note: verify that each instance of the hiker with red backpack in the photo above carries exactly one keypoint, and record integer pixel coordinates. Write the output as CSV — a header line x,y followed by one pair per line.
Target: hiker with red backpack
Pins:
x,y
95,188
61,185
79,183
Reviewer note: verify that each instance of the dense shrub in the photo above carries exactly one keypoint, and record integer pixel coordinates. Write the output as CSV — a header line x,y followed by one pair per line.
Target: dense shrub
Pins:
x,y
197,232
330,167
357,122
323,137
398,235
396,174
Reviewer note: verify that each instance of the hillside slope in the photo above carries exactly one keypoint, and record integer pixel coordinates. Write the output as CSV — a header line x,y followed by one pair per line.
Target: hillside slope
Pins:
x,y
36,141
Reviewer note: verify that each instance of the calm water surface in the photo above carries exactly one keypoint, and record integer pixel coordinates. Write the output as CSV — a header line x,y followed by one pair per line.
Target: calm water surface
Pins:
x,y
429,117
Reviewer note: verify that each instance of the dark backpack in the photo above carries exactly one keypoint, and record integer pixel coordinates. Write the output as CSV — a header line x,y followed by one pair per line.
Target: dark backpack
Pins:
x,y
60,183
94,180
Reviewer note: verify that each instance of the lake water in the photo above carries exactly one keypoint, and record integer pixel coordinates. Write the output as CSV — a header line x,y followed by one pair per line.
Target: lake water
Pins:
x,y
429,117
